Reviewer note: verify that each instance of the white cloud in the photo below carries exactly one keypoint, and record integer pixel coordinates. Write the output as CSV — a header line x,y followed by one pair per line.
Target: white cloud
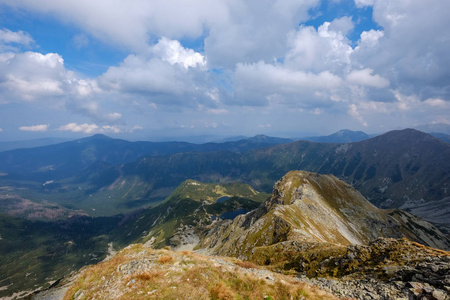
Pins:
x,y
31,75
1,129
132,23
343,25
411,52
85,128
319,50
365,77
172,52
112,129
94,128
353,111
258,81
267,125
438,103
9,40
369,38
254,30
114,116
168,75
41,127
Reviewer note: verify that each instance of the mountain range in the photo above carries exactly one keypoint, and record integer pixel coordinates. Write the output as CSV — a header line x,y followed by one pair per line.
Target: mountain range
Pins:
x,y
311,224
405,168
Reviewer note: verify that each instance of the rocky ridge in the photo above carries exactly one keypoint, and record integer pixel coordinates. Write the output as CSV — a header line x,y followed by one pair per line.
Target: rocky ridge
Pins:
x,y
312,208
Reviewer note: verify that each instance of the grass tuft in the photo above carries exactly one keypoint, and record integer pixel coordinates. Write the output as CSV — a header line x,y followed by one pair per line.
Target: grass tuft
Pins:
x,y
221,292
165,259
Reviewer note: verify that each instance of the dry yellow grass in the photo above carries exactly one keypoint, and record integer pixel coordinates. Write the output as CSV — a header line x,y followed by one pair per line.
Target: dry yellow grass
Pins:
x,y
165,259
246,264
143,273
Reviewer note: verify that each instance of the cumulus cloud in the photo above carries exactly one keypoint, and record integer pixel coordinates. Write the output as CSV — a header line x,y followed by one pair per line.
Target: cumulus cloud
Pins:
x,y
260,82
343,25
411,51
257,54
41,128
85,127
114,116
29,75
94,128
254,30
365,77
318,50
169,74
131,24
172,52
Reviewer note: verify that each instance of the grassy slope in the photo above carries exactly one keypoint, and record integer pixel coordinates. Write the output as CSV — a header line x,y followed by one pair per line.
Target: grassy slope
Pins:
x,y
143,273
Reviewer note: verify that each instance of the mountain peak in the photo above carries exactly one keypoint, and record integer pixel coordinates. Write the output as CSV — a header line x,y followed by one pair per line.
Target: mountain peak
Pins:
x,y
312,208
100,136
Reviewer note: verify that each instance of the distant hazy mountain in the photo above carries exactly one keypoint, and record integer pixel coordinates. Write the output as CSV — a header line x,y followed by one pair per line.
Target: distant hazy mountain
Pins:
x,y
442,136
66,159
436,127
11,145
392,170
256,138
342,136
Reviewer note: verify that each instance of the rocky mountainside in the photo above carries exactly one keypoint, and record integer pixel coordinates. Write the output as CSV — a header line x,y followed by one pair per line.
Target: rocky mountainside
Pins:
x,y
313,208
182,218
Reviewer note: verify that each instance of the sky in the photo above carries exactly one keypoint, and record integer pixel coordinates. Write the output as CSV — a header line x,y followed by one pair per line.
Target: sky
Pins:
x,y
148,70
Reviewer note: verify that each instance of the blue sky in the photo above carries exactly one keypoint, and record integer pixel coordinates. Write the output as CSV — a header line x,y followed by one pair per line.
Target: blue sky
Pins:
x,y
150,69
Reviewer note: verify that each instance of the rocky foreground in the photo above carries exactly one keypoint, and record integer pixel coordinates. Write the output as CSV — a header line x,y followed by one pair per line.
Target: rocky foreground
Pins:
x,y
385,269
139,272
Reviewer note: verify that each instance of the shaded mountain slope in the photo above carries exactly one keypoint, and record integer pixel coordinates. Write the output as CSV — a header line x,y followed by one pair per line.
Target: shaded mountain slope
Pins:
x,y
69,158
